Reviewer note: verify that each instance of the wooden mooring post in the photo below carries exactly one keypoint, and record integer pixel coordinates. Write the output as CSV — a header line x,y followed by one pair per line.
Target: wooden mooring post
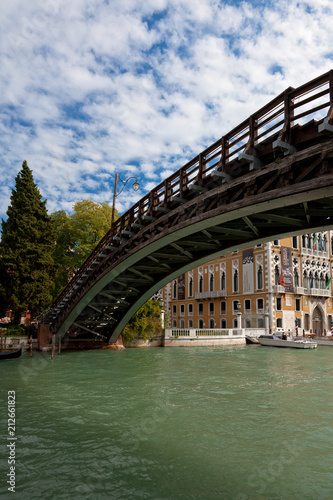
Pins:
x,y
53,346
30,346
59,345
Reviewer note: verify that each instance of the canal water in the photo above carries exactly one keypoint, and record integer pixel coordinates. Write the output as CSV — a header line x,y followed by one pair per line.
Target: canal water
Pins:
x,y
238,423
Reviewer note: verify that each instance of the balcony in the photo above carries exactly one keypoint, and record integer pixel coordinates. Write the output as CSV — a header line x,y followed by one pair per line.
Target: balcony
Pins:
x,y
279,289
315,253
318,292
210,295
300,290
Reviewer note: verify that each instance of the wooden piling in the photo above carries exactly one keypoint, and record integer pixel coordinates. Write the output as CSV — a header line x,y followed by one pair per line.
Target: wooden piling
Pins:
x,y
30,346
59,345
53,346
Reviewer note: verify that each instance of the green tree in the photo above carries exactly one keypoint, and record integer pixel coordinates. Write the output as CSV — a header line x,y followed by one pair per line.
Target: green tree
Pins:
x,y
27,245
145,324
89,223
77,235
63,254
2,288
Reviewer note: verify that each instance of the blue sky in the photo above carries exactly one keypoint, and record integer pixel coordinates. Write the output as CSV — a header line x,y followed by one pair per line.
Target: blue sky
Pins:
x,y
92,87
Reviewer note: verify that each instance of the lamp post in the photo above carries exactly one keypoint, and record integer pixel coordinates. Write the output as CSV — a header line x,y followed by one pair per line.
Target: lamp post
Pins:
x,y
239,314
136,186
162,313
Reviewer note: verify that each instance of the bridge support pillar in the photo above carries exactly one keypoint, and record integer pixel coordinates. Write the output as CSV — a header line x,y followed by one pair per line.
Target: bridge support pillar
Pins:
x,y
44,336
118,343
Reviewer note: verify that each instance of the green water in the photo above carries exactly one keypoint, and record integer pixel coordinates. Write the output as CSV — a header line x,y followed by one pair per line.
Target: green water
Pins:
x,y
234,423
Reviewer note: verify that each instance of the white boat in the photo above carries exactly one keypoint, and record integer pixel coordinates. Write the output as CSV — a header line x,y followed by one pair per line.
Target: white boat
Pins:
x,y
297,343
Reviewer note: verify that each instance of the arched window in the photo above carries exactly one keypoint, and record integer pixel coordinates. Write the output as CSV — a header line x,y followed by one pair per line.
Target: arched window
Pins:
x,y
316,281
174,292
223,323
190,286
211,323
303,241
260,278
211,282
276,275
223,280
201,284
200,324
235,280
296,278
305,280
279,323
309,241
182,323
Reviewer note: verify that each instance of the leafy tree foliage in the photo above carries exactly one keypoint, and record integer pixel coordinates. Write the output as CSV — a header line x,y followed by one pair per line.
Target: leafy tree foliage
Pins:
x,y
77,235
27,244
89,223
145,324
2,288
63,254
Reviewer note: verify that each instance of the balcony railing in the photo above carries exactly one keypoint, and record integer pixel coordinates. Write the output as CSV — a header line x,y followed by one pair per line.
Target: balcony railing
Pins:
x,y
318,292
300,290
211,295
315,253
203,332
279,289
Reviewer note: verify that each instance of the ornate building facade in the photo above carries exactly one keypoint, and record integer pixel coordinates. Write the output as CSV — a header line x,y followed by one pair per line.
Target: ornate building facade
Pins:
x,y
283,284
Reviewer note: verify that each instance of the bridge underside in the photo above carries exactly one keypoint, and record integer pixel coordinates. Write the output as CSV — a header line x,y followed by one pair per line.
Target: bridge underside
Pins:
x,y
287,195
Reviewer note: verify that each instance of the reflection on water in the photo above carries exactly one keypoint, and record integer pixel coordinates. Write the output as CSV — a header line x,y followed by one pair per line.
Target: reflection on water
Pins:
x,y
184,423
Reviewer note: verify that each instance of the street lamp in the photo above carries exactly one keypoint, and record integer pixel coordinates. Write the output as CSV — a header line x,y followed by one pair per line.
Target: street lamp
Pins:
x,y
136,186
239,314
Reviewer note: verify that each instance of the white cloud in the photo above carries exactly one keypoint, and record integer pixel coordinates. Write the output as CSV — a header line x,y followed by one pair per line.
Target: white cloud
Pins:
x,y
91,88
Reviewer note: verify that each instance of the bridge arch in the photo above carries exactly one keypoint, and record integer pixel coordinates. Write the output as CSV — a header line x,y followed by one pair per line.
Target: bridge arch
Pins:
x,y
266,179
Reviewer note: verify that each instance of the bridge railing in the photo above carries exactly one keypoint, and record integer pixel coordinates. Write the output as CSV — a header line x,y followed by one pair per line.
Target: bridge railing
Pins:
x,y
275,119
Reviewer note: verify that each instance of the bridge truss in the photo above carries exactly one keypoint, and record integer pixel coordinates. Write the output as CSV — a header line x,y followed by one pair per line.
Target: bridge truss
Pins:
x,y
271,176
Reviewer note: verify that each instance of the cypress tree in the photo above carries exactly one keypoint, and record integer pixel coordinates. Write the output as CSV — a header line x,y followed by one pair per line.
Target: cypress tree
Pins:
x,y
27,244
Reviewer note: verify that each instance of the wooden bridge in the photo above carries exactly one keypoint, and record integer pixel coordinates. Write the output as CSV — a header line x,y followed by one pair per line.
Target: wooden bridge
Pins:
x,y
270,177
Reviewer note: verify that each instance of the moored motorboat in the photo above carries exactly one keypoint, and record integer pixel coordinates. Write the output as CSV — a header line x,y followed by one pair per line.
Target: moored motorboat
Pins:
x,y
275,341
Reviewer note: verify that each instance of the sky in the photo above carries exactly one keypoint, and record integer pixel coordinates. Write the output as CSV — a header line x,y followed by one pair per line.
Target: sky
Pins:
x,y
89,88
